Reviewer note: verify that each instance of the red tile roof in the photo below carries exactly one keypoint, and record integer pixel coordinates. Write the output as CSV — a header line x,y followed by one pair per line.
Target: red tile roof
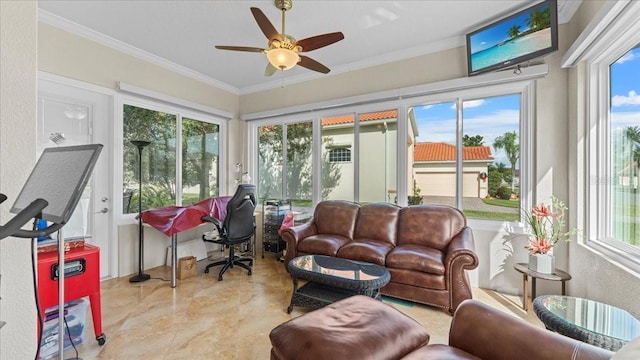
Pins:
x,y
348,119
446,152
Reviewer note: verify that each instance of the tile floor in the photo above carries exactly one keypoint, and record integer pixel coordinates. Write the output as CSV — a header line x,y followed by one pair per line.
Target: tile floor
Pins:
x,y
203,318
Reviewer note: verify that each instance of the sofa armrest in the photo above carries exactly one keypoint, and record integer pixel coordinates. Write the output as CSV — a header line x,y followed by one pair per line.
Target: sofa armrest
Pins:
x,y
489,333
460,256
462,245
293,235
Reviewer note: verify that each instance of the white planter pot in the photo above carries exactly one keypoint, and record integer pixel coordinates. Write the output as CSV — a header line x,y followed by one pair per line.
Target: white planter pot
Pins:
x,y
542,263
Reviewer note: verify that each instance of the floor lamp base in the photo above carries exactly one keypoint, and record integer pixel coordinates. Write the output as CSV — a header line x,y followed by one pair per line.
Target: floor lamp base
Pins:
x,y
139,278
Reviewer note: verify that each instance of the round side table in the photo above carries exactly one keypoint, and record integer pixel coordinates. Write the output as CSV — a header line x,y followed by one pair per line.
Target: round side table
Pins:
x,y
523,268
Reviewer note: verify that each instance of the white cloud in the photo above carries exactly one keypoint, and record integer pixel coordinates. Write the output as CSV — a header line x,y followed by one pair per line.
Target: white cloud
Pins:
x,y
426,107
620,100
631,55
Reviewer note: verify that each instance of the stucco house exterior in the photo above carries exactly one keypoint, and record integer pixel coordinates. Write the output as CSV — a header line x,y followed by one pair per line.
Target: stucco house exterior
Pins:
x,y
432,164
434,169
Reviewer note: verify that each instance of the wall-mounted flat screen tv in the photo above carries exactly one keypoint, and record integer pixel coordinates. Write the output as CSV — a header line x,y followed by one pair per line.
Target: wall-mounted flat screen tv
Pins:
x,y
525,35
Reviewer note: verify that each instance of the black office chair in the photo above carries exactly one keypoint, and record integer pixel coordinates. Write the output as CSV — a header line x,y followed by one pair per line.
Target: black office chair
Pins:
x,y
238,227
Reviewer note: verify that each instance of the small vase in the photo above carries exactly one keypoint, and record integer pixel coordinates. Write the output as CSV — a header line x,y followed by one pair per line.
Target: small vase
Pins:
x,y
542,263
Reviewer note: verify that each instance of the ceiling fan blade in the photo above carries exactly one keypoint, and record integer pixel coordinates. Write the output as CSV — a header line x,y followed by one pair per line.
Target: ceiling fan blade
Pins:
x,y
311,64
316,42
265,25
239,48
270,69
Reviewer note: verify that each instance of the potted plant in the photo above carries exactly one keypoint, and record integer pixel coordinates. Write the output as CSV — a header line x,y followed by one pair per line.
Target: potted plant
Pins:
x,y
547,225
415,199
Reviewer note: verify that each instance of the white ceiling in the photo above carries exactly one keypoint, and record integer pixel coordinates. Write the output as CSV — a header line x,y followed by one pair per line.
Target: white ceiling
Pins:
x,y
181,34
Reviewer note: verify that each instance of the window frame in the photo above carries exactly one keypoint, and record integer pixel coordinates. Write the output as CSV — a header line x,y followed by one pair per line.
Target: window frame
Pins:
x,y
598,216
180,112
487,85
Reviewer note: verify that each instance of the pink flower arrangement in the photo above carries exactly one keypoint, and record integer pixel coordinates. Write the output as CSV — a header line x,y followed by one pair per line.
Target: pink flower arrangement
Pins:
x,y
547,226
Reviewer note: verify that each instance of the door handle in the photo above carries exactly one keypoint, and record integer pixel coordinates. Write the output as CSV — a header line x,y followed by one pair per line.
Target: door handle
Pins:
x,y
103,211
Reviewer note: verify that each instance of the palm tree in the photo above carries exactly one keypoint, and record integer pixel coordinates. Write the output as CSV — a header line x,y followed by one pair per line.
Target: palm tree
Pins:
x,y
632,134
509,143
513,31
539,19
477,140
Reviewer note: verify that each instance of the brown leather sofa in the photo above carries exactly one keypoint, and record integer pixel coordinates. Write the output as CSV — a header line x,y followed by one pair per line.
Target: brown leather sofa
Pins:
x,y
426,248
362,328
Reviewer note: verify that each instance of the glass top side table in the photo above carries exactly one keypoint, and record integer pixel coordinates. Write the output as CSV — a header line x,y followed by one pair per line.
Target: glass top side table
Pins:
x,y
590,321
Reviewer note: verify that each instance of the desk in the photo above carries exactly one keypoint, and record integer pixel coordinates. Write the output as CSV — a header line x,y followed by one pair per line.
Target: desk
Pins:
x,y
85,283
523,268
595,323
171,220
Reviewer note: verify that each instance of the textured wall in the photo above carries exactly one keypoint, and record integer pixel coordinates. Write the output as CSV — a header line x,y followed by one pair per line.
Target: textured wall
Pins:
x,y
18,65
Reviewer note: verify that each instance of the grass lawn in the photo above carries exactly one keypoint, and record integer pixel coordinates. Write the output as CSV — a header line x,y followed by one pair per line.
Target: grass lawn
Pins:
x,y
499,202
490,215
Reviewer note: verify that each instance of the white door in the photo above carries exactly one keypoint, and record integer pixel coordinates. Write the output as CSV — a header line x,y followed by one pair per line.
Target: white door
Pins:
x,y
69,115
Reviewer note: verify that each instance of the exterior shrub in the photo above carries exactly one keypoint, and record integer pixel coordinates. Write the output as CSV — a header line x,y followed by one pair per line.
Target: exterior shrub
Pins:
x,y
503,193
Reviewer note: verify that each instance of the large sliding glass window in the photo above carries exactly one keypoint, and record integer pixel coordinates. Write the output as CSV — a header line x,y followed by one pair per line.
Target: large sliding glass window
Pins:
x,y
460,148
195,148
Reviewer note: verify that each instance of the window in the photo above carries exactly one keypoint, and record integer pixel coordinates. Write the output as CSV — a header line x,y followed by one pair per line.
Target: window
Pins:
x,y
610,55
373,151
167,132
481,169
340,154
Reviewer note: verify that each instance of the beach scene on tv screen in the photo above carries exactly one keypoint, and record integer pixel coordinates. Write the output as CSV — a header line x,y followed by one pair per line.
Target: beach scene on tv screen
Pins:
x,y
511,38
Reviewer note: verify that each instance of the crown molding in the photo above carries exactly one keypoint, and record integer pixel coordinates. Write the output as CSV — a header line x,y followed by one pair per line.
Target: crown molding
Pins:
x,y
77,29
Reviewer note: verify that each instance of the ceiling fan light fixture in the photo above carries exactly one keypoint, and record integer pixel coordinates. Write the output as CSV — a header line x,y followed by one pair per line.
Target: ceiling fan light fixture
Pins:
x,y
283,59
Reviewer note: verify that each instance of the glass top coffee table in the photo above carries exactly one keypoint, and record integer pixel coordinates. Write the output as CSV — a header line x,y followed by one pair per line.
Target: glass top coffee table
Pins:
x,y
589,321
331,279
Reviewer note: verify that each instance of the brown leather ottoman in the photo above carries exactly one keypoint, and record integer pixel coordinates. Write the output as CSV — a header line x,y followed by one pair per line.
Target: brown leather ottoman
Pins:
x,y
355,327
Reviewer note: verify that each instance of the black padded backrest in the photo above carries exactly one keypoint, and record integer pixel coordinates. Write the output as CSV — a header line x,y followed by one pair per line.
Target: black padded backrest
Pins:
x,y
240,222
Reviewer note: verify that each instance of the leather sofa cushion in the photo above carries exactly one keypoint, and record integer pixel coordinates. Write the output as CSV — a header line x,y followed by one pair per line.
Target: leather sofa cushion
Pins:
x,y
439,352
378,221
429,225
336,218
416,257
418,279
355,327
322,244
370,251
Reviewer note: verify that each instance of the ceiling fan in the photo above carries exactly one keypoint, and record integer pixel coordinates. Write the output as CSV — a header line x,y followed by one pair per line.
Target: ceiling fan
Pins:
x,y
283,50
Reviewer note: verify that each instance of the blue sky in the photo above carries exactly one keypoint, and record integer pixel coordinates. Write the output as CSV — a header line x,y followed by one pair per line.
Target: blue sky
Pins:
x,y
497,33
625,89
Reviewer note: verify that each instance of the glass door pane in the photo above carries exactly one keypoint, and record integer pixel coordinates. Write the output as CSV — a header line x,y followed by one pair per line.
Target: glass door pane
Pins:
x,y
432,177
200,159
158,158
270,160
377,159
491,158
338,169
299,165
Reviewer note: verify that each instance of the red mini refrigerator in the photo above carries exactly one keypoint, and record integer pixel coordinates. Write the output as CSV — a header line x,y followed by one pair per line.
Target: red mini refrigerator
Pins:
x,y
82,278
